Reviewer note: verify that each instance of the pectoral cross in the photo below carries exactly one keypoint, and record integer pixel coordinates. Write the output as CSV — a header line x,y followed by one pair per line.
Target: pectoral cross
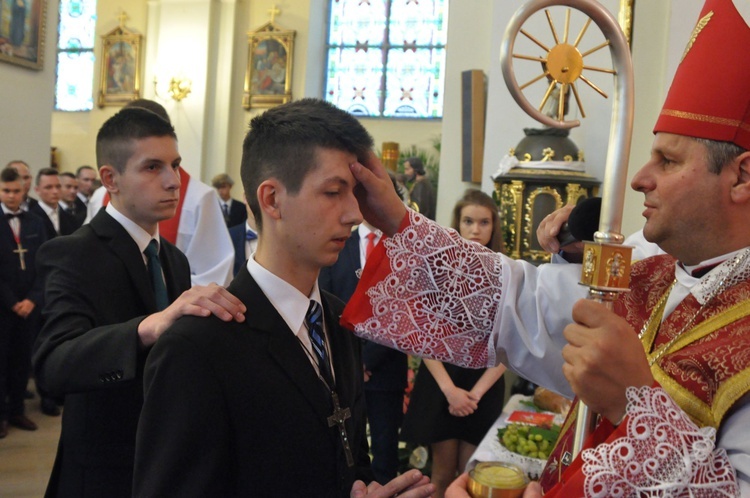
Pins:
x,y
338,417
21,258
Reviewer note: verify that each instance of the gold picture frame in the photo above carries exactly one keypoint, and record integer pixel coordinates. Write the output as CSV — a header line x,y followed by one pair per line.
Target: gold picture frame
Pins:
x,y
268,79
120,76
23,25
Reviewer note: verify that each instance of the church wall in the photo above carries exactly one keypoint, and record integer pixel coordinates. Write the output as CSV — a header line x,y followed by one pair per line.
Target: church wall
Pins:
x,y
27,97
309,18
74,133
211,140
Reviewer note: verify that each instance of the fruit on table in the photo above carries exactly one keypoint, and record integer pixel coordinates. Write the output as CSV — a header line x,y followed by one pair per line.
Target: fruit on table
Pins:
x,y
530,441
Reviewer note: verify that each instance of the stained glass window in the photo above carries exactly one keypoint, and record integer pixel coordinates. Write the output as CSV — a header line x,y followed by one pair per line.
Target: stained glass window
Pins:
x,y
75,56
386,58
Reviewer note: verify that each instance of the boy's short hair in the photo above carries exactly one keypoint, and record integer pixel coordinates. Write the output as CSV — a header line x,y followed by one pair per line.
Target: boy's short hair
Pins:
x,y
222,179
282,143
14,161
114,142
9,175
150,105
45,172
84,167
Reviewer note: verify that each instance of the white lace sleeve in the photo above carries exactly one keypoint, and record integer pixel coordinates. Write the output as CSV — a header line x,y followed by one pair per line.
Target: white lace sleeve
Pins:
x,y
441,298
663,454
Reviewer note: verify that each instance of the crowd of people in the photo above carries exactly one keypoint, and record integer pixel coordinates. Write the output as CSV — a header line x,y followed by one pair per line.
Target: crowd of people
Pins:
x,y
174,385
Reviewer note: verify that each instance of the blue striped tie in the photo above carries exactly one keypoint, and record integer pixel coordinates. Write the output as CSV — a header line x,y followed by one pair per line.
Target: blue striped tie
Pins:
x,y
314,320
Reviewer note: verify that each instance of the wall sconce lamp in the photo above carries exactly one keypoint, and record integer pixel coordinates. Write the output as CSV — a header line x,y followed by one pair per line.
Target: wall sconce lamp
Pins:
x,y
178,89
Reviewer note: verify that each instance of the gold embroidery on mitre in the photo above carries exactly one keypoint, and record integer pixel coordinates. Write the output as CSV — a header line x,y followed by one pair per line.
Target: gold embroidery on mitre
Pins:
x,y
705,118
702,22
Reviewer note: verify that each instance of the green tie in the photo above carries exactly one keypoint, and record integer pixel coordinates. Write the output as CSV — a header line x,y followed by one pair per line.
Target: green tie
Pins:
x,y
157,278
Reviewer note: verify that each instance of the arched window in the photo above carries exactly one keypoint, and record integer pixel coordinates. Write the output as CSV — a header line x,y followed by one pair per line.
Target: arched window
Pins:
x,y
386,58
75,56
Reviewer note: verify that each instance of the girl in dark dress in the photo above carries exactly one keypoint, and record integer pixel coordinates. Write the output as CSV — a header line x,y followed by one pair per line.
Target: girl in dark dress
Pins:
x,y
452,408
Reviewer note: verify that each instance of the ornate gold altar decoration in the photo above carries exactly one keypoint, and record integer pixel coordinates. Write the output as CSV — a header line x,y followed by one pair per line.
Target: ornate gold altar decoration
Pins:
x,y
606,262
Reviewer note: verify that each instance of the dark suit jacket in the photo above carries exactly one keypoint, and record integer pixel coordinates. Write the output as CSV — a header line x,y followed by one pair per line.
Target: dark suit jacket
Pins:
x,y
388,366
236,409
81,207
16,284
67,221
237,233
80,212
97,292
237,213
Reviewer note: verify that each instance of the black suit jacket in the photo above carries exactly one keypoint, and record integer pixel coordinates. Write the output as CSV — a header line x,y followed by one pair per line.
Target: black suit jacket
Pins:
x,y
388,366
17,284
81,207
80,212
237,213
237,233
236,409
67,221
97,291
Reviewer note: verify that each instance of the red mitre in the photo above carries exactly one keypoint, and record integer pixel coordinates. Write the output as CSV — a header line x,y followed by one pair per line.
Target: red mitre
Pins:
x,y
710,94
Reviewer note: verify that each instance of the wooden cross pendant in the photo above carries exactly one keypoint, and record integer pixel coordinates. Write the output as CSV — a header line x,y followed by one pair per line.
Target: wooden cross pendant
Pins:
x,y
21,257
338,417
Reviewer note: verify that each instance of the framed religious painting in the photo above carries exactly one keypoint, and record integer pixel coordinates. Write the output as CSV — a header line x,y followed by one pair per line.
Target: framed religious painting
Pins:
x,y
120,77
22,31
268,79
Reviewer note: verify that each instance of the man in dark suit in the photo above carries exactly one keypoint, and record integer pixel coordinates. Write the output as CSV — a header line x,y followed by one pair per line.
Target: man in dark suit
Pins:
x,y
385,368
245,241
24,170
107,293
69,201
21,235
48,188
86,177
234,211
274,406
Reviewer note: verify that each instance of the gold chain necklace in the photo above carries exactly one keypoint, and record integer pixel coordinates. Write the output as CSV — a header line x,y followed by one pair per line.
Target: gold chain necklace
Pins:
x,y
659,309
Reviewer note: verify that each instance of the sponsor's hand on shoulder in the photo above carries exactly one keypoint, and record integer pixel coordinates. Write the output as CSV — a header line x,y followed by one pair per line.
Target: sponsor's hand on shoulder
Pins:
x,y
199,300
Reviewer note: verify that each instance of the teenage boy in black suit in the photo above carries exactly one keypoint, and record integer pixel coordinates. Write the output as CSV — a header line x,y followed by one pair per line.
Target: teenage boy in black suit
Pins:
x,y
234,211
273,406
107,303
385,368
21,235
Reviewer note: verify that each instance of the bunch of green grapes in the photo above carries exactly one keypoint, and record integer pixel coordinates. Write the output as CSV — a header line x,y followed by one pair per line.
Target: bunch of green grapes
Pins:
x,y
534,442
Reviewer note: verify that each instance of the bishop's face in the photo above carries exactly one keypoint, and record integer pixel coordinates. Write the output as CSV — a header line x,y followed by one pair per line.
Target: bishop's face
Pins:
x,y
684,201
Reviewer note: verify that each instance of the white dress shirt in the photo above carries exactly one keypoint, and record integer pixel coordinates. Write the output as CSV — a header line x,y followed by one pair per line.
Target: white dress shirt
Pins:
x,y
291,304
